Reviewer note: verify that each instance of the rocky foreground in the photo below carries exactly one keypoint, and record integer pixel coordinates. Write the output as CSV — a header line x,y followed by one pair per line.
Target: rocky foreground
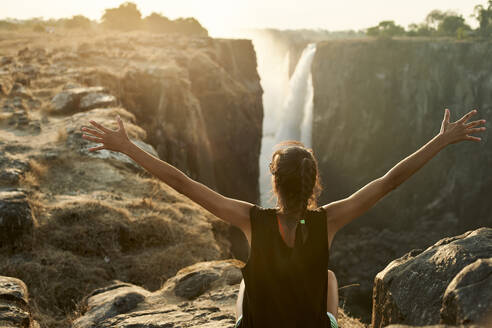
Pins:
x,y
201,295
447,285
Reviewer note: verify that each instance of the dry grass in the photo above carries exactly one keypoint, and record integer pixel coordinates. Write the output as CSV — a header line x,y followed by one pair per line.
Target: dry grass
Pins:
x,y
84,244
348,322
34,176
46,108
38,168
29,179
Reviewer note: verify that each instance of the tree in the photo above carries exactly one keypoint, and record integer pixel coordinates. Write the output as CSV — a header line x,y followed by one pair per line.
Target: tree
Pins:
x,y
420,30
126,17
484,17
434,18
386,29
452,25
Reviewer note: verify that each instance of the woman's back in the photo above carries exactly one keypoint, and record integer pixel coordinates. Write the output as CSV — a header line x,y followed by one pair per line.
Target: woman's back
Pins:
x,y
286,287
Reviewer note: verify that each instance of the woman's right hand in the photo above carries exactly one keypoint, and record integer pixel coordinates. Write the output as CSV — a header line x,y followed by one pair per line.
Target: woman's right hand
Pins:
x,y
111,140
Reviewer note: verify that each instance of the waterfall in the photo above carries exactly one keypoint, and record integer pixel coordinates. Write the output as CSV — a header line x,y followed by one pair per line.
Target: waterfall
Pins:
x,y
296,116
288,106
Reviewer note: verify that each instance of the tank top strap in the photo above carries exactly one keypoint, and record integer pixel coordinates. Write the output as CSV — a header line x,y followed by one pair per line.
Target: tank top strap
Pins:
x,y
318,220
261,224
318,223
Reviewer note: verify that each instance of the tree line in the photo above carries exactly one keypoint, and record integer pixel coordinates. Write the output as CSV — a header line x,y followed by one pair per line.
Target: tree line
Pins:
x,y
126,17
440,24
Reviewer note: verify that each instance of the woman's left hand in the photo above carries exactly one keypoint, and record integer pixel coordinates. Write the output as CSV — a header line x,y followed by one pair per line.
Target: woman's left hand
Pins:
x,y
460,130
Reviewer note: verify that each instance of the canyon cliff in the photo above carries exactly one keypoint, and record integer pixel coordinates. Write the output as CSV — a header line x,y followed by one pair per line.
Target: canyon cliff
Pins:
x,y
377,101
73,220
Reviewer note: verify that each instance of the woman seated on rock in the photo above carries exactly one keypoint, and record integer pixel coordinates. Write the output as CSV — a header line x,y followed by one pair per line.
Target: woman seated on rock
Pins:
x,y
286,278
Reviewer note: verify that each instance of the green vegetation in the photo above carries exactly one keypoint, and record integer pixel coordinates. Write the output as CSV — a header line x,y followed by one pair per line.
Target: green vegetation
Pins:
x,y
440,24
484,17
126,17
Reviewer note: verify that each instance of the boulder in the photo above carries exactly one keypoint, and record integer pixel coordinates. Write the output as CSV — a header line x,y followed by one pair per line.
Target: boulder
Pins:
x,y
95,100
199,278
16,217
14,304
410,289
80,99
469,295
104,303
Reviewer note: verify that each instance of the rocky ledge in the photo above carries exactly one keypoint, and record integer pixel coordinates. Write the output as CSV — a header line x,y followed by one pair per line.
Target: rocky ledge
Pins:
x,y
448,283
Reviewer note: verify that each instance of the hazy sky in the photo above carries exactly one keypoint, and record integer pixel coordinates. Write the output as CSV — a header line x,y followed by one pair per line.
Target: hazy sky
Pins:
x,y
220,15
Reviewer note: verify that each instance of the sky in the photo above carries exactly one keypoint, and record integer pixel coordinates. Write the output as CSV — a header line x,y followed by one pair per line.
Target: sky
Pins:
x,y
219,16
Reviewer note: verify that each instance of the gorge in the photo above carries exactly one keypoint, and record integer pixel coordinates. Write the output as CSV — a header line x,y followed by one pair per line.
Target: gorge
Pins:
x,y
215,108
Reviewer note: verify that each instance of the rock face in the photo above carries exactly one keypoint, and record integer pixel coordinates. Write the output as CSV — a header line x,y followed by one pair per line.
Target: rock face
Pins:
x,y
16,218
442,284
201,107
376,102
14,304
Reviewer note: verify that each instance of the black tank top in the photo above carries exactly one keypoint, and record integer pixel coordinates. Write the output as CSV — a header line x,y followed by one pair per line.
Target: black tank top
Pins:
x,y
286,287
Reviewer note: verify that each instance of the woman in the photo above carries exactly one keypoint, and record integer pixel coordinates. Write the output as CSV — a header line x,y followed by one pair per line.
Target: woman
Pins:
x,y
286,278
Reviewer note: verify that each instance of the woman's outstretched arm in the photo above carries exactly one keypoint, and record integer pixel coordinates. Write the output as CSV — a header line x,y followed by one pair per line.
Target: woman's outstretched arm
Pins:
x,y
341,212
231,210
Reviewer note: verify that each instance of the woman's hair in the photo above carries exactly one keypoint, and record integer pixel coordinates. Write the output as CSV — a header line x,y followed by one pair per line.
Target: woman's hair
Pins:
x,y
295,177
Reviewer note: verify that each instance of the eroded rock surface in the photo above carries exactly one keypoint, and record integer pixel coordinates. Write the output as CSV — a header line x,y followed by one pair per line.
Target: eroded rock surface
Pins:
x,y
72,100
209,300
202,295
410,290
14,304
